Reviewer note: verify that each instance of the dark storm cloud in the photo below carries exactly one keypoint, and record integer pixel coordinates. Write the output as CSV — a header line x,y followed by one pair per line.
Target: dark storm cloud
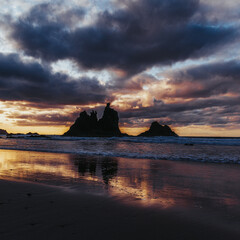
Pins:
x,y
198,111
206,80
43,119
11,66
229,69
22,81
208,94
144,33
162,109
47,13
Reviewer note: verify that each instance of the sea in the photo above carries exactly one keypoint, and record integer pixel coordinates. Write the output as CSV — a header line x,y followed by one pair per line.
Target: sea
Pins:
x,y
167,172
196,149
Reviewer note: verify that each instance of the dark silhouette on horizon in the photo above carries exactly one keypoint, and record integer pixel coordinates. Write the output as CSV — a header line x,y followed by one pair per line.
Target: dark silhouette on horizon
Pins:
x,y
157,129
89,126
3,132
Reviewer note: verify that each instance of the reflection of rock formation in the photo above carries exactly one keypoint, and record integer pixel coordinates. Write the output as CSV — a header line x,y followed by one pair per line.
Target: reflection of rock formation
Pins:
x,y
89,126
89,165
86,165
109,169
158,130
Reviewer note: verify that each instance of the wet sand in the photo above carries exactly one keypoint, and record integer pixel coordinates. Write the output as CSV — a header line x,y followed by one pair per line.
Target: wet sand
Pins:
x,y
36,211
68,196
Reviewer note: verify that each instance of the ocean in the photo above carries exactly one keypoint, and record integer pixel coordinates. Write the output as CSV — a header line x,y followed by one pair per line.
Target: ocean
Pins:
x,y
167,171
196,149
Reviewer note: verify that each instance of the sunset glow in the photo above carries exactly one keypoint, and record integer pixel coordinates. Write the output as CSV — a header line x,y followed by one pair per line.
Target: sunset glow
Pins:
x,y
167,61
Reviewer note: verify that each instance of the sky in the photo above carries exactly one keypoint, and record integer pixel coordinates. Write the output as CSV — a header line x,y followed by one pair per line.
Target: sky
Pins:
x,y
172,61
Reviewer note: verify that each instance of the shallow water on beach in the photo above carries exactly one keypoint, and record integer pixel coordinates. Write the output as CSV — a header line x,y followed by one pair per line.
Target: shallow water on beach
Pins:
x,y
164,183
217,150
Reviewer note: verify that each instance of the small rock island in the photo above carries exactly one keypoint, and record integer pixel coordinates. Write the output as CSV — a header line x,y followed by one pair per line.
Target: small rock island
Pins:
x,y
89,126
157,129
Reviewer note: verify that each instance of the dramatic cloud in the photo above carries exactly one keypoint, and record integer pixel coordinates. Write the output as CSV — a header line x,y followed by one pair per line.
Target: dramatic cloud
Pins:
x,y
43,119
132,38
176,61
216,112
33,82
203,95
205,81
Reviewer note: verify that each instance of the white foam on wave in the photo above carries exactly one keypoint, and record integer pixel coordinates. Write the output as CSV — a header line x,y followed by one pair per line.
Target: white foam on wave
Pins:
x,y
175,140
184,140
158,148
195,158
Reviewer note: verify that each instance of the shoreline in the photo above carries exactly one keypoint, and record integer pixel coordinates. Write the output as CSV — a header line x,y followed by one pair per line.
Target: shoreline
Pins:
x,y
67,196
36,211
213,161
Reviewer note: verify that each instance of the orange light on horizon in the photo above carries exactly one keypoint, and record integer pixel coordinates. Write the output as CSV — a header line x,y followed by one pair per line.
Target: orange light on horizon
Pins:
x,y
12,125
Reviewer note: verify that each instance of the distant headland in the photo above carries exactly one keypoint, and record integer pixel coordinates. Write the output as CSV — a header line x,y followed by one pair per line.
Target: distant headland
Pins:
x,y
107,126
3,132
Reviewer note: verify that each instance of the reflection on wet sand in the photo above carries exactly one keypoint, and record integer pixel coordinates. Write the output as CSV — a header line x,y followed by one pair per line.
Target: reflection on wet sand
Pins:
x,y
166,183
109,166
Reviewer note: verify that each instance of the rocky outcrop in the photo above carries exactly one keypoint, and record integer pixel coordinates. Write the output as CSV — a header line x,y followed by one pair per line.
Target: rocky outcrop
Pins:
x,y
3,132
89,125
85,125
108,124
158,130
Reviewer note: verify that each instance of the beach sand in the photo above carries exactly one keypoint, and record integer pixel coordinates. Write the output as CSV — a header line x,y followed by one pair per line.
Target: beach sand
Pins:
x,y
68,196
36,211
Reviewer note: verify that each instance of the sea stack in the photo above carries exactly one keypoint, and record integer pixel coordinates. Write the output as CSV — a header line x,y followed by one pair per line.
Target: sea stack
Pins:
x,y
3,132
157,129
89,126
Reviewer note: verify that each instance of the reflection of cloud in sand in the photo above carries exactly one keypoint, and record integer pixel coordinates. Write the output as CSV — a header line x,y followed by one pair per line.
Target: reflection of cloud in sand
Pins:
x,y
167,184
130,180
231,202
120,187
24,165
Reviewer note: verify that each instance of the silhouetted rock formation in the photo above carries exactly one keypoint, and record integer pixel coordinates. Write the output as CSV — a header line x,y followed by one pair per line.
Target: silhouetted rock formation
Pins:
x,y
158,130
85,125
32,134
89,126
27,135
3,132
109,122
